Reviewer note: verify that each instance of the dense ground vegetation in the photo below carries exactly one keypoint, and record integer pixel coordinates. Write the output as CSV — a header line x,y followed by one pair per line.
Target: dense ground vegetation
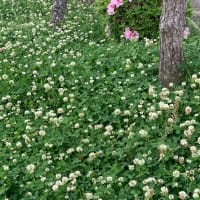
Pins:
x,y
83,117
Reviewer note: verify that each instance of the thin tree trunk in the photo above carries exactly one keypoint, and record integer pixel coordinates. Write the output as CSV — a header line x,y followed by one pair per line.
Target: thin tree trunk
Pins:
x,y
172,25
58,11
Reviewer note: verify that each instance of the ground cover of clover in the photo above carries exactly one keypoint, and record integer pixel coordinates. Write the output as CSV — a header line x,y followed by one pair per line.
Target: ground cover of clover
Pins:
x,y
83,117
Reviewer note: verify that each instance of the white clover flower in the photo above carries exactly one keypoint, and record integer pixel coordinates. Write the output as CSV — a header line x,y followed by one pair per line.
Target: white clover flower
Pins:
x,y
89,173
123,98
55,187
176,173
140,162
143,133
79,149
149,180
117,112
148,42
196,195
193,85
191,128
127,113
4,76
164,191
47,87
140,65
121,179
163,147
58,176
163,106
164,93
30,168
109,179
65,99
42,132
77,125
8,144
188,110
183,142
131,167
71,96
28,128
109,128
181,160
60,111
43,179
194,76
193,149
77,173
18,144
197,190
38,114
170,120
61,91
85,141
161,181
58,183
126,120
64,180
44,157
72,176
5,167
132,183
153,115
70,150
145,188
92,156
149,193
81,114
182,195
107,133
61,78
89,196
171,196
72,63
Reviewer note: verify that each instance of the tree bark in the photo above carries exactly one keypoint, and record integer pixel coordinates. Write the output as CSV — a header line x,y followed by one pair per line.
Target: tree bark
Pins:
x,y
58,12
172,25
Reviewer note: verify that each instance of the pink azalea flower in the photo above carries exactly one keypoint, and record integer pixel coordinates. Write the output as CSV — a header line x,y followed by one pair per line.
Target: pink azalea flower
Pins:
x,y
129,35
117,3
186,32
135,35
111,8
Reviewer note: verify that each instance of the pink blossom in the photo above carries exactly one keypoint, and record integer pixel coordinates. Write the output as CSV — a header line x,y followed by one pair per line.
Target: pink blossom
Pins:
x,y
129,1
186,32
111,8
117,3
129,35
135,35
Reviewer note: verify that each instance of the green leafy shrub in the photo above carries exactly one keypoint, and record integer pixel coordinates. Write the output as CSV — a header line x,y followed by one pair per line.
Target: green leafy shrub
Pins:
x,y
140,15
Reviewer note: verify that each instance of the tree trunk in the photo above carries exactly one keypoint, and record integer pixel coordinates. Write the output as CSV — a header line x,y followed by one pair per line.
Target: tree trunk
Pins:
x,y
172,25
58,11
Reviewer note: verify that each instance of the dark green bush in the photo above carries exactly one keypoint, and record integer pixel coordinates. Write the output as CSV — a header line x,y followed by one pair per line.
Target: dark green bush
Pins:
x,y
140,15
